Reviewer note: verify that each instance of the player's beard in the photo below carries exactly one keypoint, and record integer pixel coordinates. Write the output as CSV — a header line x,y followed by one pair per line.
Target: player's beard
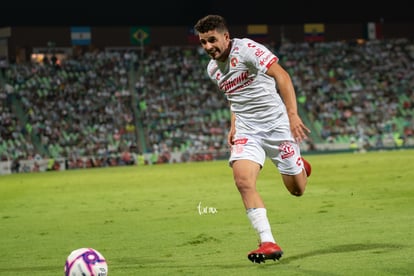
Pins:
x,y
221,54
216,54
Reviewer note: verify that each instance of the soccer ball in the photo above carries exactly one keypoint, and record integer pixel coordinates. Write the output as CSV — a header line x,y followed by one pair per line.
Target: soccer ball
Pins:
x,y
86,262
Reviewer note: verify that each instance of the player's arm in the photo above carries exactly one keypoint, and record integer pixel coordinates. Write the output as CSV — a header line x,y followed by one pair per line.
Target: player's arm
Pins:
x,y
287,92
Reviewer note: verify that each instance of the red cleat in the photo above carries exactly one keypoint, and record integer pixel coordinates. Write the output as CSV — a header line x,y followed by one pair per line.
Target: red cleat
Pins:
x,y
266,251
307,166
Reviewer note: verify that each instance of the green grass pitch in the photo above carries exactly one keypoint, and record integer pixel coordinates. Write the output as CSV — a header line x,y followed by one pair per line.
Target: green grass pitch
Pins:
x,y
355,218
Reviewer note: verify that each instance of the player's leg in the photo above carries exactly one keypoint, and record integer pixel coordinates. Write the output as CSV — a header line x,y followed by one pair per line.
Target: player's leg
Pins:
x,y
296,183
245,173
247,159
285,155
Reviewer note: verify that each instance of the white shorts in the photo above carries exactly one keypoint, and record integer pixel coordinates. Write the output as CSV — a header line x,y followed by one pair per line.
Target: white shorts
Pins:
x,y
279,147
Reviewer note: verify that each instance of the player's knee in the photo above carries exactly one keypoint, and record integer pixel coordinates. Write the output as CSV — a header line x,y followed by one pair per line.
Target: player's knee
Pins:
x,y
297,193
244,187
297,190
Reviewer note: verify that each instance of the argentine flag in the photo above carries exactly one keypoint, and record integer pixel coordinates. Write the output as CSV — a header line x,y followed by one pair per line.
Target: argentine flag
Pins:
x,y
80,35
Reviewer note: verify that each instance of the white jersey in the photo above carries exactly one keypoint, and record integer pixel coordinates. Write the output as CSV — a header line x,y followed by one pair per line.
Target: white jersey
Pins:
x,y
252,94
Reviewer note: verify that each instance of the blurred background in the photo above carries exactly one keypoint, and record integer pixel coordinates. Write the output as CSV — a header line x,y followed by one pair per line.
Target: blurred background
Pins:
x,y
87,85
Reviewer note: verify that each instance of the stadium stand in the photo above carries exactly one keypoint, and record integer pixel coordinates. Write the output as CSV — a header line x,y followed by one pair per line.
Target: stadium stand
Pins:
x,y
107,108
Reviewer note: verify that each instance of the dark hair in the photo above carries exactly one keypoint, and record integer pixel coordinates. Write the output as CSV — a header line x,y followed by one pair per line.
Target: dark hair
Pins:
x,y
211,22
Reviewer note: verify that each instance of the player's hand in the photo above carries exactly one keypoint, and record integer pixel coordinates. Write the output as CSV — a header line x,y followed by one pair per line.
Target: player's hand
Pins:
x,y
299,130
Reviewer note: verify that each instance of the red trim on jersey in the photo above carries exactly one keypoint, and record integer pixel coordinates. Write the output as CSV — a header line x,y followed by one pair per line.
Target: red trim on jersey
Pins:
x,y
273,60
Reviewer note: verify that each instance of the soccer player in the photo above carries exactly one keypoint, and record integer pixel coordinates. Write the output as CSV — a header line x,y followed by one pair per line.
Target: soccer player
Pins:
x,y
264,121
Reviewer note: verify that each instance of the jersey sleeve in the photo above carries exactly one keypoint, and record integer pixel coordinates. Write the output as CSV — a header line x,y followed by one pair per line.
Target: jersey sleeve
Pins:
x,y
258,55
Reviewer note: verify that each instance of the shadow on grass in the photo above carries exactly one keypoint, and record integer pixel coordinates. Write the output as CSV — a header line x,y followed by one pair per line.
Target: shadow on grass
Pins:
x,y
345,248
25,270
143,262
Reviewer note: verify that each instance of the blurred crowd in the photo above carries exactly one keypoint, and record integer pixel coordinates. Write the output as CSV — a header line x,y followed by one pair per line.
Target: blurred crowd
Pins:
x,y
356,92
106,108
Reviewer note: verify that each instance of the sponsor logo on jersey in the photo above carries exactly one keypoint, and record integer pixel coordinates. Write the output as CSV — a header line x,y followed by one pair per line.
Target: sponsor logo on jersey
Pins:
x,y
234,83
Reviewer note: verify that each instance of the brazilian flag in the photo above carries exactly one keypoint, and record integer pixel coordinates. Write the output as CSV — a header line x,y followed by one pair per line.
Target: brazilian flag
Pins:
x,y
140,35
